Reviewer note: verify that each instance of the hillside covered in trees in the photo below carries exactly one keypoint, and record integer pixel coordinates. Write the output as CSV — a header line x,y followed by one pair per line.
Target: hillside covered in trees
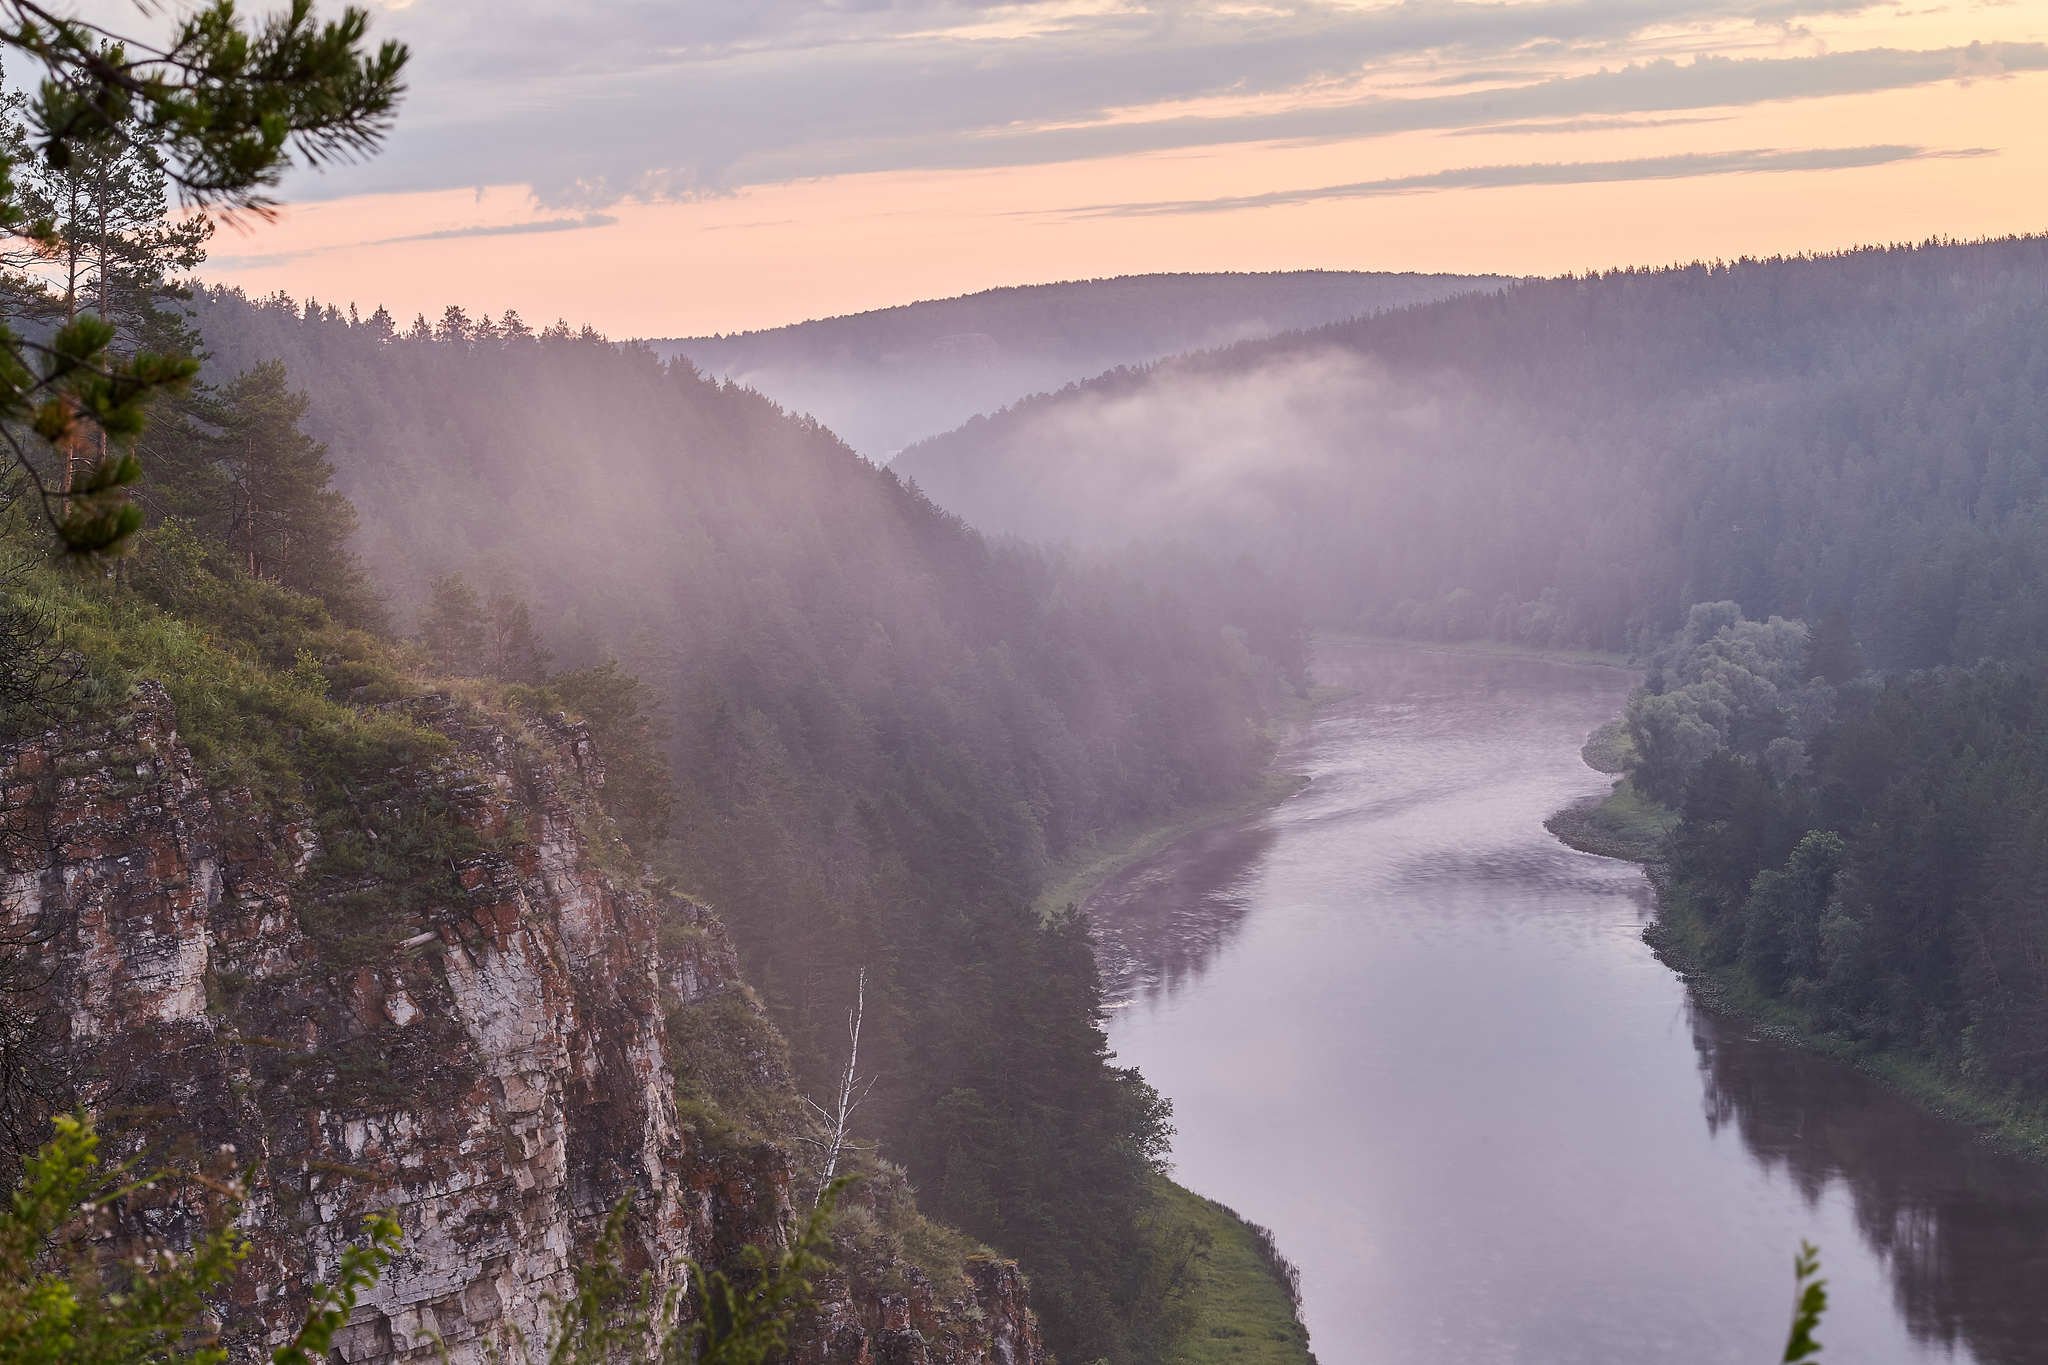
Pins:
x,y
1861,851
886,378
1577,461
884,730
1812,492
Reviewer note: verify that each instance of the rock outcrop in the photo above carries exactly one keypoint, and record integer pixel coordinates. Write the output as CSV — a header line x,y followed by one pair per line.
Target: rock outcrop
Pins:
x,y
489,1057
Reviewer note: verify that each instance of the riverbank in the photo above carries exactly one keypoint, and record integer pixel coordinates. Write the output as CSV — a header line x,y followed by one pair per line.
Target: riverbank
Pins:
x,y
1678,937
1629,826
1242,1292
1623,824
1074,879
1492,649
1243,1306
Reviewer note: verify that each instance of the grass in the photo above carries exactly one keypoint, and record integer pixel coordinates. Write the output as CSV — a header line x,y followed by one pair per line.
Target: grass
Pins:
x,y
289,713
1243,1308
1623,824
273,696
731,1071
1626,824
1610,748
2009,1121
1074,879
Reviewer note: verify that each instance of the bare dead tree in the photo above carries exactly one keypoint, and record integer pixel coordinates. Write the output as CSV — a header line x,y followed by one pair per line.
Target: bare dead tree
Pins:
x,y
853,1088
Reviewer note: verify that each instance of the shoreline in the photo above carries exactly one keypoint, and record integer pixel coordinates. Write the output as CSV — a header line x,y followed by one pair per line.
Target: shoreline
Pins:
x,y
1074,880
1243,1307
1621,825
1492,649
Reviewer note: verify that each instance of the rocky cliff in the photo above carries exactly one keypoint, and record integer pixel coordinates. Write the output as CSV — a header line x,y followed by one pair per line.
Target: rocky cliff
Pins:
x,y
500,1055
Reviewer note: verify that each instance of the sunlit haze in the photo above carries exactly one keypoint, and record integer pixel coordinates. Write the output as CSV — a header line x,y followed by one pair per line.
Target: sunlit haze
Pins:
x,y
725,166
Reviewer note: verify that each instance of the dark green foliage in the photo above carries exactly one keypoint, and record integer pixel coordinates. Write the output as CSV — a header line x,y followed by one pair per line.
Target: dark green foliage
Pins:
x,y
61,1303
1832,654
632,738
1809,1303
1006,1162
884,730
223,104
465,636
235,466
38,677
216,113
731,1070
1575,462
452,627
1891,889
513,651
739,1318
107,241
1781,918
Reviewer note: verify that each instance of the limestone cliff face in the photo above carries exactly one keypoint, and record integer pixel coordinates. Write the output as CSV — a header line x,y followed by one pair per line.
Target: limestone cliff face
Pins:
x,y
494,1065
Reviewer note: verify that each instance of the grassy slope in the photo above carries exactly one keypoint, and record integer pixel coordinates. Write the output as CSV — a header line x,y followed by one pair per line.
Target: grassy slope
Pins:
x,y
1073,881
1623,824
308,717
1628,825
1243,1311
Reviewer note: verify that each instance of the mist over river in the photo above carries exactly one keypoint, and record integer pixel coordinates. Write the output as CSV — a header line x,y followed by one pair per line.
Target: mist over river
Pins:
x,y
1424,1042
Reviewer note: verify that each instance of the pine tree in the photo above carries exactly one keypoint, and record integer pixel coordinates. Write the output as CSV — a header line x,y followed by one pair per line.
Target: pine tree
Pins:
x,y
288,522
453,628
515,650
1832,654
214,111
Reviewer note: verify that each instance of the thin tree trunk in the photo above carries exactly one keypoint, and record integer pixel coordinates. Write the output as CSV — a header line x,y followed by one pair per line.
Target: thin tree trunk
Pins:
x,y
100,284
839,1119
69,450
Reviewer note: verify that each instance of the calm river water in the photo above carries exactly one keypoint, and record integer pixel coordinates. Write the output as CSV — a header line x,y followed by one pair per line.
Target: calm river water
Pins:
x,y
1424,1042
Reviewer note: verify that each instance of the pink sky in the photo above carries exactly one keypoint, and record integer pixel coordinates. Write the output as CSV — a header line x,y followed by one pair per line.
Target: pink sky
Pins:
x,y
1710,134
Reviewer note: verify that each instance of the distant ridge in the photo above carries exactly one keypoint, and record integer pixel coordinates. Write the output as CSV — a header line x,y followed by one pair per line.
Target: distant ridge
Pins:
x,y
892,376
1574,462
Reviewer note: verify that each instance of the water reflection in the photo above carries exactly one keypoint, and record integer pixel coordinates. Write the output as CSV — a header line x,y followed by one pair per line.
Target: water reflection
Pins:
x,y
1425,1043
1960,1226
1158,925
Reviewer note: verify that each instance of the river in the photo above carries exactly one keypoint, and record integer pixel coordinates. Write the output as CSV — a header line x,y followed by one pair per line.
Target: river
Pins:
x,y
1424,1042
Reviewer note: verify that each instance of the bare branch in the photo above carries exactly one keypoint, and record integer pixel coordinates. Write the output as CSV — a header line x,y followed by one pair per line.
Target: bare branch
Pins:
x,y
852,1090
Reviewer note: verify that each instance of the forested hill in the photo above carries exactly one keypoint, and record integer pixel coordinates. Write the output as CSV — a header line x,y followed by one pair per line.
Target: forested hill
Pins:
x,y
884,729
886,378
1577,461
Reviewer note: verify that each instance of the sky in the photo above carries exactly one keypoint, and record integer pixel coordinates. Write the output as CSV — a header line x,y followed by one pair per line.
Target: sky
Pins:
x,y
656,168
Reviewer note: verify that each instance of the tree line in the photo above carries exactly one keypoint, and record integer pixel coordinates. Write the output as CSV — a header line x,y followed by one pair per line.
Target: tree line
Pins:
x,y
1575,462
878,730
1810,490
1868,849
860,729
